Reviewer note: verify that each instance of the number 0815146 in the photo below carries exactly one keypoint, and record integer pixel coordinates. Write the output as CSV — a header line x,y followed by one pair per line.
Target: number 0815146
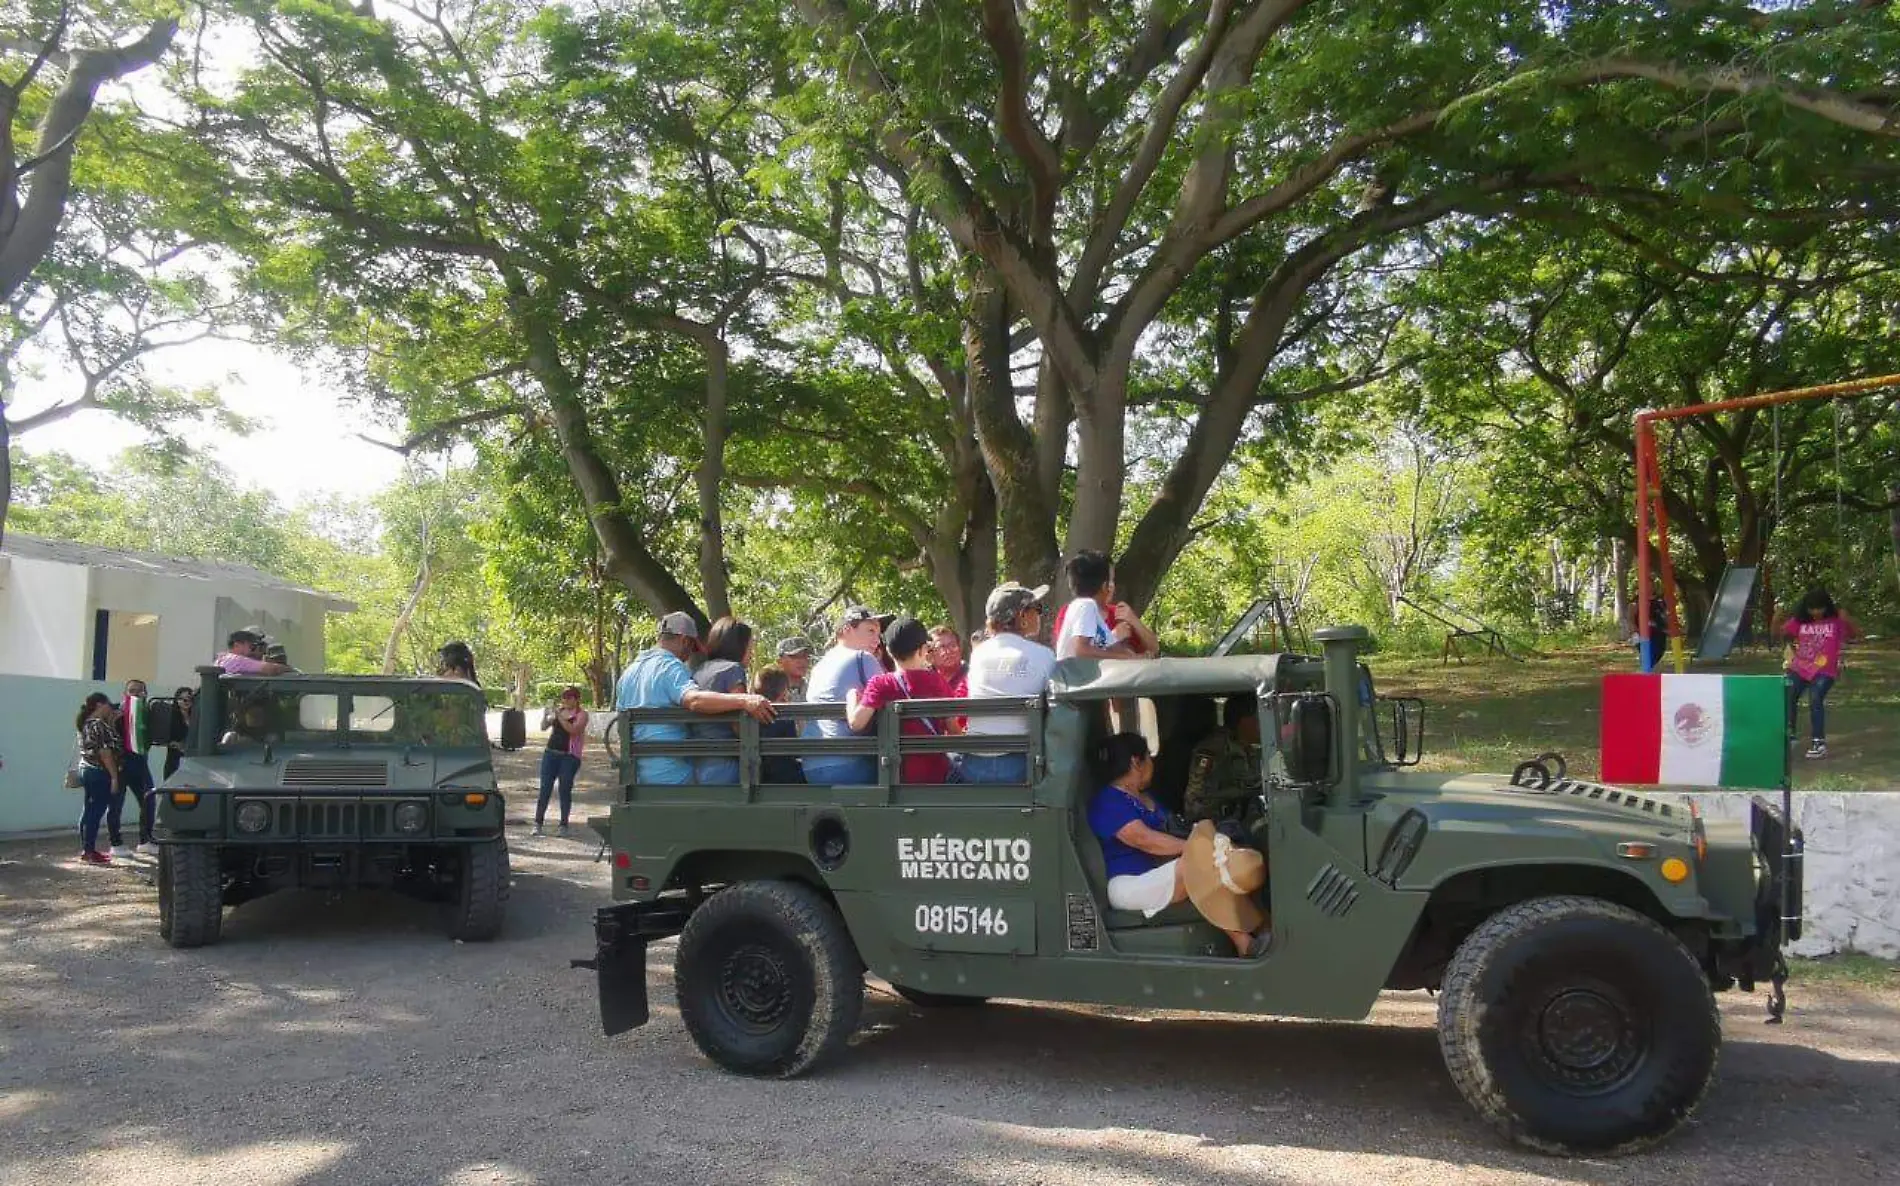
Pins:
x,y
962,920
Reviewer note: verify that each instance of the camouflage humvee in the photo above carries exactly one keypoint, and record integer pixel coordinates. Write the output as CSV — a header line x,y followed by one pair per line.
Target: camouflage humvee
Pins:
x,y
1574,932
331,781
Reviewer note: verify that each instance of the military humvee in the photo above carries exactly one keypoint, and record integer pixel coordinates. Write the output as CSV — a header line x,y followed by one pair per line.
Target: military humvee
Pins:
x,y
331,781
1573,931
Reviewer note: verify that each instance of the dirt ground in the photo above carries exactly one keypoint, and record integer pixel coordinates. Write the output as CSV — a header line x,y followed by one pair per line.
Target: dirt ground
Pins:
x,y
353,1045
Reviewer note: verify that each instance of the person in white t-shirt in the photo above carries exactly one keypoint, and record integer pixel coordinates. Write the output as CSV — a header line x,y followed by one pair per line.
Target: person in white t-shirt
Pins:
x,y
1085,632
1007,663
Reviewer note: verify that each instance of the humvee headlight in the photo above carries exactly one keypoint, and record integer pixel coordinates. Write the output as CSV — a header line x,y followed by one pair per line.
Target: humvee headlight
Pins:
x,y
252,817
184,798
1675,869
410,817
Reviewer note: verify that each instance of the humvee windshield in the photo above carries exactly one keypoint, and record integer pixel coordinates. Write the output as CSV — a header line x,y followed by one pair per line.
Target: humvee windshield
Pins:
x,y
285,716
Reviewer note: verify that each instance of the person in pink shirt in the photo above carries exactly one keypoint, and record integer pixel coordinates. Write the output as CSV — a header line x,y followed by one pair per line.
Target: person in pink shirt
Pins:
x,y
1819,629
946,659
913,678
242,655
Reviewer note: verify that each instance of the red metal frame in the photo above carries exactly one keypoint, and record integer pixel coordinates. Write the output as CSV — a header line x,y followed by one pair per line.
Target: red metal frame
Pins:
x,y
1649,500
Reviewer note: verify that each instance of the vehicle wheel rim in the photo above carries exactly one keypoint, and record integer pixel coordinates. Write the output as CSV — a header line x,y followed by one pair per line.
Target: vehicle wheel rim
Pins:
x,y
1587,1039
755,988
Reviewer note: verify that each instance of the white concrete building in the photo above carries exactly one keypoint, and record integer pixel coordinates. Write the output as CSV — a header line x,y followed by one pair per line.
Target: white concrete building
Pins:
x,y
79,612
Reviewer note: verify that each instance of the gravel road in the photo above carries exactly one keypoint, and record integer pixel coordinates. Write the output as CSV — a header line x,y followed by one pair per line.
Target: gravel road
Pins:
x,y
352,1044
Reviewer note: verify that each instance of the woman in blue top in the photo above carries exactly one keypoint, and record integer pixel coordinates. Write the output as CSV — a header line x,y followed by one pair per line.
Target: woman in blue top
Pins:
x,y
1143,858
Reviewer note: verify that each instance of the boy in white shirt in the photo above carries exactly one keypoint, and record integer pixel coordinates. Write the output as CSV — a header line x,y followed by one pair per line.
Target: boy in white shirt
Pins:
x,y
1085,633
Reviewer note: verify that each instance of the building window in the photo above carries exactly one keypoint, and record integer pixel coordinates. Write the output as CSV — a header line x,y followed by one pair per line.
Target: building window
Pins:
x,y
124,645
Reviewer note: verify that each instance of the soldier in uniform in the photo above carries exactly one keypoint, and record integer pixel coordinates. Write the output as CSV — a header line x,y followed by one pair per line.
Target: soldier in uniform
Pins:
x,y
1223,775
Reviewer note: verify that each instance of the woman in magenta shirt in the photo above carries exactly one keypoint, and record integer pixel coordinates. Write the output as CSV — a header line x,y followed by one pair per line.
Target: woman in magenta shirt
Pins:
x,y
1819,629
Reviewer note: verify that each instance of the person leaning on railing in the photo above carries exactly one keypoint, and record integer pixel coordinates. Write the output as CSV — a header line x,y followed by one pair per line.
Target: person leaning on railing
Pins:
x,y
1007,663
658,678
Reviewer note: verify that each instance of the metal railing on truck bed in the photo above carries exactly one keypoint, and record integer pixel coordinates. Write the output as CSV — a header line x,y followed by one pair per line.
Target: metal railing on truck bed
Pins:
x,y
885,742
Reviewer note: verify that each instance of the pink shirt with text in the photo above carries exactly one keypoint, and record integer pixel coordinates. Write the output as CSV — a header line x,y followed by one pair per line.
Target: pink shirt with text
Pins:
x,y
1817,645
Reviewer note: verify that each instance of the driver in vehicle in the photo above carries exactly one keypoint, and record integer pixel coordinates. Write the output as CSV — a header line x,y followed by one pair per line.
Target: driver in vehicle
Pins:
x,y
1223,774
1151,868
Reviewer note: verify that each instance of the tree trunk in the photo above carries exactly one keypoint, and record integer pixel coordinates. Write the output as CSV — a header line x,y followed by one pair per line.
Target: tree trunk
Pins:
x,y
712,479
625,553
523,685
1099,471
1028,521
1620,564
36,221
6,472
1893,525
417,588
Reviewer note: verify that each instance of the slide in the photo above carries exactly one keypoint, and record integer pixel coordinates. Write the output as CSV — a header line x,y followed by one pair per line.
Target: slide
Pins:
x,y
1729,614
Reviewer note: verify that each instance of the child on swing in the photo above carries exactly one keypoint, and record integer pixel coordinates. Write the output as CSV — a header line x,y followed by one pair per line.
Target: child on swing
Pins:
x,y
1819,629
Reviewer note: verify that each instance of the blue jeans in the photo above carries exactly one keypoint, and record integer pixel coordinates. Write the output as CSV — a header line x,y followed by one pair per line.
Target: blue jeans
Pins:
x,y
855,770
135,777
718,772
1817,690
556,766
996,768
97,784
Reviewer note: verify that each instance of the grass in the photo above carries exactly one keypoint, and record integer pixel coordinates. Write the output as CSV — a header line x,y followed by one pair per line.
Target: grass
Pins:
x,y
1854,971
1490,714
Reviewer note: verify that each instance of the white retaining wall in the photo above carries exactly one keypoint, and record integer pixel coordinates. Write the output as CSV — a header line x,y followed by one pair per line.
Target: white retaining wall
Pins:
x,y
1851,890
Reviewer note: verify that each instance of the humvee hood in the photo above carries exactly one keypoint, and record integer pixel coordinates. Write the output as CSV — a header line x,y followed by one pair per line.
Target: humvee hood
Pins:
x,y
1480,800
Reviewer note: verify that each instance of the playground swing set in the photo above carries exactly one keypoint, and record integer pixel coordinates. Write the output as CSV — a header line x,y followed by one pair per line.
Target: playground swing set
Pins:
x,y
1729,614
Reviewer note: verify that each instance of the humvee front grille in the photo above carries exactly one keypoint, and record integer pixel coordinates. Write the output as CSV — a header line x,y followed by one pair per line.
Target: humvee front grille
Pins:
x,y
317,819
335,772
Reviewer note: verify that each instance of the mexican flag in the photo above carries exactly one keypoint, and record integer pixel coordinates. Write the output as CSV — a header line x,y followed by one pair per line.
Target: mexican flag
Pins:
x,y
1695,730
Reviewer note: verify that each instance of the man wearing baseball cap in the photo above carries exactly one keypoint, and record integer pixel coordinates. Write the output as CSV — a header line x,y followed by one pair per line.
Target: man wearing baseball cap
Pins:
x,y
1010,662
839,678
240,655
658,678
794,659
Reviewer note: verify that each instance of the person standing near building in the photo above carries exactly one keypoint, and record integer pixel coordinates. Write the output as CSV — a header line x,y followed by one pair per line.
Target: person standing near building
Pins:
x,y
184,704
135,773
99,748
659,678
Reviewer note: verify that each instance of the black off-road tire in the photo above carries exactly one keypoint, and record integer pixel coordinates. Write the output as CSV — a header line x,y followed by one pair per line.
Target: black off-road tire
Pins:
x,y
190,895
1577,1026
938,1000
768,980
481,892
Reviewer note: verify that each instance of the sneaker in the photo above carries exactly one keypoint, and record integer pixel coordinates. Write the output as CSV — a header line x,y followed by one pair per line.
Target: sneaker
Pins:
x,y
121,853
145,849
1817,749
537,830
561,831
89,857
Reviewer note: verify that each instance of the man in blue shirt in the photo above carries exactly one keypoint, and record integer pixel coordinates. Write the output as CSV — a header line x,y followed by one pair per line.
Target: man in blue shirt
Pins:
x,y
658,678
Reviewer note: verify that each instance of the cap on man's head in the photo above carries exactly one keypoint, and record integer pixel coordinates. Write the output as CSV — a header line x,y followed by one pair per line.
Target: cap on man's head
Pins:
x,y
905,637
795,645
245,635
679,624
863,613
1009,599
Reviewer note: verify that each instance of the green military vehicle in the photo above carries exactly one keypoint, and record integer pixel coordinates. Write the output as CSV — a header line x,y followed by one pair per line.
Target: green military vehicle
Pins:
x,y
1573,932
334,782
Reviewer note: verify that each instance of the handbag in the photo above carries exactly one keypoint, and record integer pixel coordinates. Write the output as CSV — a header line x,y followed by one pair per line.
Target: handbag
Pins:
x,y
73,782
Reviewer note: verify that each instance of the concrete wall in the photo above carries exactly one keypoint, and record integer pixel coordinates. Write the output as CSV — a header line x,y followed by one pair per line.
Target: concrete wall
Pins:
x,y
43,629
1851,889
195,616
36,744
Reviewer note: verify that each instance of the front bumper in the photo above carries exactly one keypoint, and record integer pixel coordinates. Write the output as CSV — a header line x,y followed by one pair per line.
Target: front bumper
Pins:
x,y
621,935
330,818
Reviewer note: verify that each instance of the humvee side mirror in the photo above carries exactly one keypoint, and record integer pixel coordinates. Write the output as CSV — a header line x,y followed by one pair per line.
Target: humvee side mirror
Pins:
x,y
1309,740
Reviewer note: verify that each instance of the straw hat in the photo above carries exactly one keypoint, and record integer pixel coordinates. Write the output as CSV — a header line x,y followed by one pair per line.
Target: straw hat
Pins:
x,y
1222,878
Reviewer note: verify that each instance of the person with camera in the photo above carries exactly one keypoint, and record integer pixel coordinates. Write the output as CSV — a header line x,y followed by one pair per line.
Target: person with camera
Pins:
x,y
566,723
